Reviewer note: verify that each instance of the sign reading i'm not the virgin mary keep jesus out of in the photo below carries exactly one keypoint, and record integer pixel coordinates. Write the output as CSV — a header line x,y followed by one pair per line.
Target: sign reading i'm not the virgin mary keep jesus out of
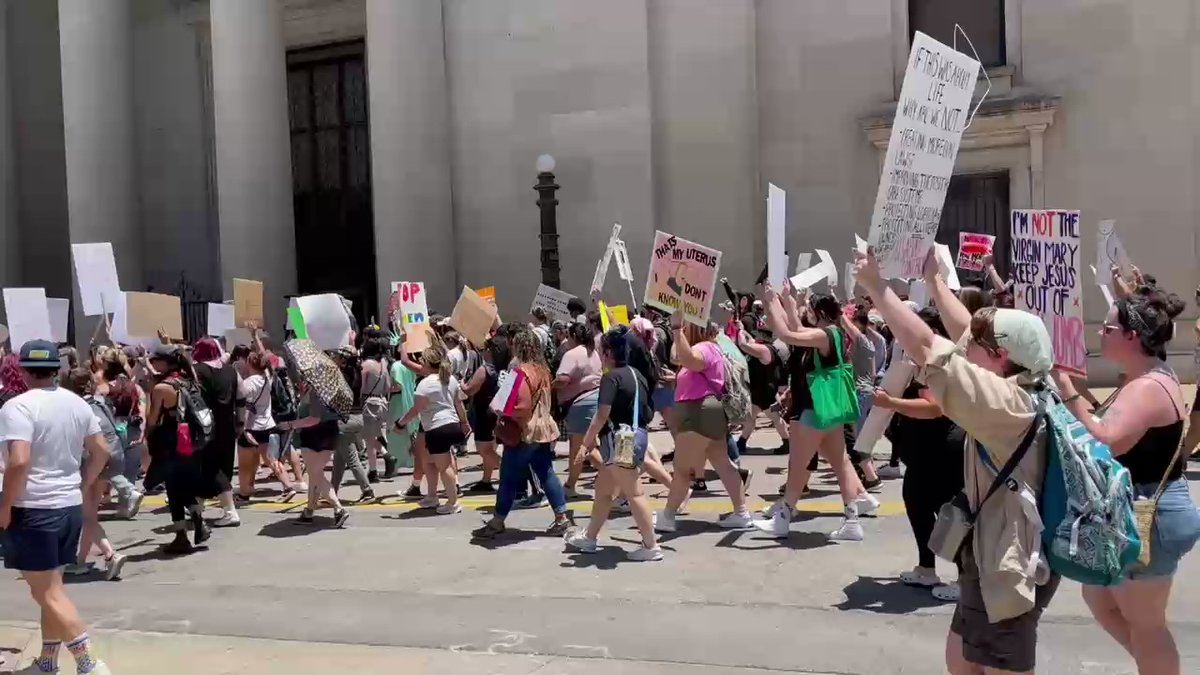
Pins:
x,y
1046,272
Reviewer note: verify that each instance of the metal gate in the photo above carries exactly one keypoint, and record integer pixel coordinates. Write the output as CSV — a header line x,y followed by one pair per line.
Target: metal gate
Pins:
x,y
331,174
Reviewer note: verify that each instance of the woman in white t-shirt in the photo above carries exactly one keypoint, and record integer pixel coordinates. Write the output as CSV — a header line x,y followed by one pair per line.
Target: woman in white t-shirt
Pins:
x,y
438,400
254,446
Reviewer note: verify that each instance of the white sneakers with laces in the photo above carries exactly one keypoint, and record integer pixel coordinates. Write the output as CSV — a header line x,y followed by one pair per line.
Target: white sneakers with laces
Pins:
x,y
664,521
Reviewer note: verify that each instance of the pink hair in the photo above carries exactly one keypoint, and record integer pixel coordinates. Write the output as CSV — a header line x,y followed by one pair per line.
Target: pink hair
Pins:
x,y
10,375
642,327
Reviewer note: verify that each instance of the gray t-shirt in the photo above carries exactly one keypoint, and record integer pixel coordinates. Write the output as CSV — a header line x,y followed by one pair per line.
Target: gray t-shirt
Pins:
x,y
862,357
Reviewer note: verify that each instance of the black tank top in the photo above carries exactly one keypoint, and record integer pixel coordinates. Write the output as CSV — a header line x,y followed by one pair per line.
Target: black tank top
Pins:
x,y
801,362
1154,453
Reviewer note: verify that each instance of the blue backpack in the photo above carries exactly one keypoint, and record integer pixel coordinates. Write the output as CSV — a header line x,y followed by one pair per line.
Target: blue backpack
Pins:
x,y
1090,532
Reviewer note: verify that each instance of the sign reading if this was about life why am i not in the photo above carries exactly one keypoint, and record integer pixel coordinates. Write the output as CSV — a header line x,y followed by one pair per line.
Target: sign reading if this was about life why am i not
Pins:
x,y
933,111
1046,275
682,277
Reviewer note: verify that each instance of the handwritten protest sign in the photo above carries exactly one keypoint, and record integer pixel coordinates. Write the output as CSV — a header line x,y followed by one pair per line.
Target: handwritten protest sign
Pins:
x,y
622,257
28,315
247,302
946,266
148,313
972,249
931,115
605,260
1046,271
414,305
487,293
682,277
553,302
776,233
1110,252
473,317
220,319
96,271
326,319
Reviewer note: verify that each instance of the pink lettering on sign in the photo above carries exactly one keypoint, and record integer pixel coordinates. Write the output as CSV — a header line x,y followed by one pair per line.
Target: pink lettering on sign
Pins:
x,y
1069,351
409,291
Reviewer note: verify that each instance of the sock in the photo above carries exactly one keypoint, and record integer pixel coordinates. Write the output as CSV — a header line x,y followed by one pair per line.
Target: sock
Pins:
x,y
81,649
850,511
48,661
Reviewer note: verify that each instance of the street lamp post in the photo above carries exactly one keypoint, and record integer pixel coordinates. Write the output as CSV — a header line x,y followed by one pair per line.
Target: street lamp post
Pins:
x,y
548,205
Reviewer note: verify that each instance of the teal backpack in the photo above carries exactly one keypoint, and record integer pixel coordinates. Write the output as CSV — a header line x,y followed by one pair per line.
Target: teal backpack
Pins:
x,y
1090,532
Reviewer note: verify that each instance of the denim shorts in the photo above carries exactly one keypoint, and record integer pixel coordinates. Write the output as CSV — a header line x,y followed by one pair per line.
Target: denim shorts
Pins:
x,y
663,398
40,540
608,453
1176,529
581,412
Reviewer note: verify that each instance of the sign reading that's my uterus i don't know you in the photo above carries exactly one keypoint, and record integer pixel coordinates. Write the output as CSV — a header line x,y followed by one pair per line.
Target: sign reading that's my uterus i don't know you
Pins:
x,y
1046,275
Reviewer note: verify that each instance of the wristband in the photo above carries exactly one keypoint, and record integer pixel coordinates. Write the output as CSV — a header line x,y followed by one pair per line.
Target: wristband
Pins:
x,y
1072,399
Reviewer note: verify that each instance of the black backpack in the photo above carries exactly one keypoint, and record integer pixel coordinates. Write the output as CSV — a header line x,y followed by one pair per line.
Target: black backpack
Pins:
x,y
283,397
195,412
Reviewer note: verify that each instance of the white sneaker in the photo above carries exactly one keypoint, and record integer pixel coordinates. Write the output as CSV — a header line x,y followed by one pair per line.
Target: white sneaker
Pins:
x,y
578,540
867,505
851,530
664,522
32,669
771,510
228,519
736,521
888,471
449,509
622,506
130,510
77,569
113,566
643,554
921,577
430,502
779,526
100,669
300,487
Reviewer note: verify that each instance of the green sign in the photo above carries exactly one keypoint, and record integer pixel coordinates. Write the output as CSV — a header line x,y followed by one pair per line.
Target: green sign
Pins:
x,y
295,321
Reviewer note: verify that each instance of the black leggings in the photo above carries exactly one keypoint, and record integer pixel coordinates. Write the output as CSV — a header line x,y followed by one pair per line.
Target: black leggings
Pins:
x,y
926,487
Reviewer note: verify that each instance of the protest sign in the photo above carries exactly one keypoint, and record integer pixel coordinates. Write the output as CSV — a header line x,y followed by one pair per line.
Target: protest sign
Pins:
x,y
326,320
918,292
1046,270
803,262
553,302
247,302
59,310
622,257
237,336
3,333
221,319
860,244
118,330
946,266
810,276
96,271
932,113
776,234
895,380
1110,252
972,249
295,321
28,315
488,293
148,313
606,259
473,317
851,281
682,276
831,270
620,314
414,305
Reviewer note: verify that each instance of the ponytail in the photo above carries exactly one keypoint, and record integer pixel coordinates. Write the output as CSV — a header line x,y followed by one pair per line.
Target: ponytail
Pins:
x,y
444,372
435,358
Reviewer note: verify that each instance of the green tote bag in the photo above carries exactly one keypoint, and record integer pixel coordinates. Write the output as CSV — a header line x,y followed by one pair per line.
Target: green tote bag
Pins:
x,y
834,400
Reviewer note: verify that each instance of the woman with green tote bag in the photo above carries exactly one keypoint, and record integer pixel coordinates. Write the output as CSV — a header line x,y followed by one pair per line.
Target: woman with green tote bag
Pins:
x,y
822,401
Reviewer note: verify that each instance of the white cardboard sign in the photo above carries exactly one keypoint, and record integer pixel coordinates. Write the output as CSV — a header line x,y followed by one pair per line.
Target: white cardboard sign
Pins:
x,y
946,265
28,316
895,380
1110,252
96,271
553,301
59,310
220,319
414,305
831,270
932,113
326,320
776,234
803,262
602,266
622,256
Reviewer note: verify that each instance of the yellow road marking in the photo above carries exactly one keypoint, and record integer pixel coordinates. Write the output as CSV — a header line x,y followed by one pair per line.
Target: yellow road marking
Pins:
x,y
717,505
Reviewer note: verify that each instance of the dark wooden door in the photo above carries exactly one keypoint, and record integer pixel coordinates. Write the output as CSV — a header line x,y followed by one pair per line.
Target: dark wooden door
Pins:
x,y
331,174
977,203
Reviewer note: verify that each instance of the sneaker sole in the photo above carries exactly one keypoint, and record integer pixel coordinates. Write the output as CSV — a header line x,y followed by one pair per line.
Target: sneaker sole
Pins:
x,y
115,572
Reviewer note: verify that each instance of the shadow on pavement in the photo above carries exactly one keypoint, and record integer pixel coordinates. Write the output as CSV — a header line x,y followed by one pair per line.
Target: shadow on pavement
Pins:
x,y
606,558
753,540
887,596
510,537
292,527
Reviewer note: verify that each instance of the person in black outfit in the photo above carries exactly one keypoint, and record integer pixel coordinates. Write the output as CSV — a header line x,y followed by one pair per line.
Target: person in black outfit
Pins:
x,y
218,382
764,365
931,447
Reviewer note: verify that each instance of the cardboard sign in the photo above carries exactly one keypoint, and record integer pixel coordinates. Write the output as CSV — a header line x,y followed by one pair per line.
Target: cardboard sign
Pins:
x,y
851,280
810,276
622,257
620,314
473,317
235,337
895,380
918,292
972,249
860,244
488,293
295,321
326,320
602,266
776,235
553,302
96,271
1110,252
221,319
416,338
946,266
1046,270
28,316
248,303
803,262
148,313
934,107
830,267
59,310
682,277
414,304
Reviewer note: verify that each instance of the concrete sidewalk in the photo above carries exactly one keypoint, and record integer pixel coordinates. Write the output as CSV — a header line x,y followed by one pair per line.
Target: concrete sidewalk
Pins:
x,y
136,653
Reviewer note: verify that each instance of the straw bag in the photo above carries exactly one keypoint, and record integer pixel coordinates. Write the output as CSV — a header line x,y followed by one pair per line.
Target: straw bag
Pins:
x,y
1144,510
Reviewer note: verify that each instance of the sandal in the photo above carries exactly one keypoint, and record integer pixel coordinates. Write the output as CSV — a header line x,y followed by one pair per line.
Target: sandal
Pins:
x,y
489,530
920,578
947,592
560,527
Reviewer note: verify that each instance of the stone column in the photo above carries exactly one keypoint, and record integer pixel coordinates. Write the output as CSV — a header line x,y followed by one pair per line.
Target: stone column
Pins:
x,y
410,148
96,47
1037,166
253,148
10,258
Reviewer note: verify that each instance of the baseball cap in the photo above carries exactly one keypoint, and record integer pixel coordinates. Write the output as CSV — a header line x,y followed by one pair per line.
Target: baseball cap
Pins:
x,y
39,354
1024,337
164,351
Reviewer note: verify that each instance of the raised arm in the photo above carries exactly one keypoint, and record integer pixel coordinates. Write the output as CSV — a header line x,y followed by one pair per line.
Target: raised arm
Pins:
x,y
994,278
682,352
751,348
798,336
955,316
910,331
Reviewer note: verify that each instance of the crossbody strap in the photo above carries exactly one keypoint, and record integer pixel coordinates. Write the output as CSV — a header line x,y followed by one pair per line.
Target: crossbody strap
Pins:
x,y
835,345
1005,473
1162,484
637,393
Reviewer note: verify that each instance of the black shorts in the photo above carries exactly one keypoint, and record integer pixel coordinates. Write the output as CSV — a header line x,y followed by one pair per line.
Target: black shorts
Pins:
x,y
762,398
1010,644
442,440
41,540
321,437
263,437
484,426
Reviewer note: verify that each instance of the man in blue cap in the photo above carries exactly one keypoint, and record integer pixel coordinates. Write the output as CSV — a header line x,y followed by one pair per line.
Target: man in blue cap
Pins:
x,y
43,432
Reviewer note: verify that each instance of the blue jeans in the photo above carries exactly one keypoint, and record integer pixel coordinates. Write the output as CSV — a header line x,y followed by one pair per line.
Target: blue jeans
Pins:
x,y
514,464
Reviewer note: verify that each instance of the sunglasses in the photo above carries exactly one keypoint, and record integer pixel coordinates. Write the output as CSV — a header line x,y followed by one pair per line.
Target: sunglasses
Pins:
x,y
1108,329
992,348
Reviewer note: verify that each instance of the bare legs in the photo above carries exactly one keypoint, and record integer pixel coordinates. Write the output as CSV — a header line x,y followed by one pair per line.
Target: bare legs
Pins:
x,y
1135,615
611,479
